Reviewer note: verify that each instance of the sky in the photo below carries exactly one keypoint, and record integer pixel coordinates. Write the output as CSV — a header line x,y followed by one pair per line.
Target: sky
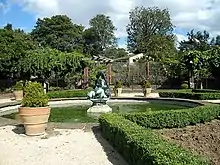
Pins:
x,y
185,14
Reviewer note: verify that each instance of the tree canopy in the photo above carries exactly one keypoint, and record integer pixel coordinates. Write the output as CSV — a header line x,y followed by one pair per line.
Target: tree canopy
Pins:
x,y
150,31
14,45
58,32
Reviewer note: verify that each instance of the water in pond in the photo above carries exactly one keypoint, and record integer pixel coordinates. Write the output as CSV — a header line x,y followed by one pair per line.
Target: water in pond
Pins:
x,y
78,114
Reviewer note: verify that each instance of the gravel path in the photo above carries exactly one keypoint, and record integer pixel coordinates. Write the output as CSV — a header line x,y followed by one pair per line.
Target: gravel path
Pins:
x,y
68,147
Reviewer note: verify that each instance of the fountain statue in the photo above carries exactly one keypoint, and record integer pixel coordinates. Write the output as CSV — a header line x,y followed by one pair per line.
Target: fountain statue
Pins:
x,y
100,95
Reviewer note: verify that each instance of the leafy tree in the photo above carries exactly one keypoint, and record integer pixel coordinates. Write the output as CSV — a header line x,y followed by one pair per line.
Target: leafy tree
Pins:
x,y
215,41
45,63
196,41
114,53
58,32
150,32
91,42
14,44
103,28
197,63
214,60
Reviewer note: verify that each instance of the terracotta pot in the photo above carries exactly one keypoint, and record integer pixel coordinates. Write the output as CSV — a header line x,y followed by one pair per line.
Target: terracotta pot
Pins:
x,y
18,95
117,92
34,119
147,91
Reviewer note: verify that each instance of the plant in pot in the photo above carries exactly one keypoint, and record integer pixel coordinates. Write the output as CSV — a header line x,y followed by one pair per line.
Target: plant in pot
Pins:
x,y
34,111
146,88
18,90
118,88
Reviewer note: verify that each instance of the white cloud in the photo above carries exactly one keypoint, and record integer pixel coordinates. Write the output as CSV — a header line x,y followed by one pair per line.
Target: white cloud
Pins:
x,y
185,14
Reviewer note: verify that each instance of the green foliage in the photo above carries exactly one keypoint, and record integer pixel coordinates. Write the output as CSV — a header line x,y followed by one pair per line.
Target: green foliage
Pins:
x,y
141,146
115,53
175,118
205,91
196,41
68,94
18,86
184,86
190,95
118,84
146,35
58,32
46,62
104,29
34,95
197,62
13,47
147,84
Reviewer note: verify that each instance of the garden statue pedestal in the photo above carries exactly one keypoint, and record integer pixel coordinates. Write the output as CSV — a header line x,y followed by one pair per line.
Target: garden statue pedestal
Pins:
x,y
99,106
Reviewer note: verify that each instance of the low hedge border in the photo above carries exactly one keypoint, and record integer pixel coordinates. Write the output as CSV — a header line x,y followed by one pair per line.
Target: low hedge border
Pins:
x,y
141,146
205,91
67,94
175,118
191,95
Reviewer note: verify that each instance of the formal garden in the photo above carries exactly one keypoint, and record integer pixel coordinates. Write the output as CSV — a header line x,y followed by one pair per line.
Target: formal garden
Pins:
x,y
65,81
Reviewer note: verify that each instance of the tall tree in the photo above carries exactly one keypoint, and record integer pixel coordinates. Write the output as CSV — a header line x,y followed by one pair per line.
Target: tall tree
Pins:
x,y
104,29
14,45
196,41
215,41
150,31
58,32
91,42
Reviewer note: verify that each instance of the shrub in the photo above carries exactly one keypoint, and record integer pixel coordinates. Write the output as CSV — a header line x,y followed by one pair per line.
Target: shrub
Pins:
x,y
205,91
67,94
18,86
184,86
147,84
140,146
190,95
34,95
175,118
118,84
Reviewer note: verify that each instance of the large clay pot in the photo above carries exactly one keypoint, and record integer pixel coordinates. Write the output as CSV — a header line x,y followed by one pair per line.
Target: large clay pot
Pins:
x,y
117,92
18,95
147,91
34,119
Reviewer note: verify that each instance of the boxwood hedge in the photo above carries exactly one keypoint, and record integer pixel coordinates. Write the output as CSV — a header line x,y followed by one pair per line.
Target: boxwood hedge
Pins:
x,y
67,94
191,95
205,91
141,146
175,118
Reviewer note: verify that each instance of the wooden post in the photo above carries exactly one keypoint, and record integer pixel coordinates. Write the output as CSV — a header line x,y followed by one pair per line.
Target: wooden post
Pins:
x,y
109,73
148,70
86,76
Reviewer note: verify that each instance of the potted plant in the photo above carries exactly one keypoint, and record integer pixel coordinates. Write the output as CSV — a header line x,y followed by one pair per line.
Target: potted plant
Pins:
x,y
34,111
117,88
147,88
18,90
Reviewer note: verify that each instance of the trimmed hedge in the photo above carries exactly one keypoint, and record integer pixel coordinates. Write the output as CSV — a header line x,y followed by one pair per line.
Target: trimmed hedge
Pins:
x,y
140,146
205,91
175,118
191,95
68,94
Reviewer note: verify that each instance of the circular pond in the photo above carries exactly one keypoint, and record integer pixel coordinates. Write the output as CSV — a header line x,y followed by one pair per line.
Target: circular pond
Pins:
x,y
77,113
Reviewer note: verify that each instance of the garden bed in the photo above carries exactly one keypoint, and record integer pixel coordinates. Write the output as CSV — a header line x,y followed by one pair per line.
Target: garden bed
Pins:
x,y
136,136
203,139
